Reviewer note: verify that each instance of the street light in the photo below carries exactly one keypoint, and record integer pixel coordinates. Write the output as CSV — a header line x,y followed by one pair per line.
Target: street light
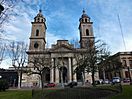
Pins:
x,y
1,8
0,76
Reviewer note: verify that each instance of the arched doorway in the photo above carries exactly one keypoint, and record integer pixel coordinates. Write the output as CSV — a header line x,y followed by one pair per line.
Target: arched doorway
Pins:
x,y
78,75
63,70
46,75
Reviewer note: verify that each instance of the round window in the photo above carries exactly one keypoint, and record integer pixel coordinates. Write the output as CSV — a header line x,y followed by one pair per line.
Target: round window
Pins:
x,y
36,45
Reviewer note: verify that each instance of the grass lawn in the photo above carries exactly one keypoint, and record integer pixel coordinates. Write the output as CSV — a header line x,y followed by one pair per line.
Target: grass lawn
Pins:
x,y
73,93
68,93
126,94
16,94
84,93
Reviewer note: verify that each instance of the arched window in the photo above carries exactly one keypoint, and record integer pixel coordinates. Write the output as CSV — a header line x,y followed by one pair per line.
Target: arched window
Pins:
x,y
85,20
78,74
87,32
46,74
82,20
41,20
35,19
38,19
37,32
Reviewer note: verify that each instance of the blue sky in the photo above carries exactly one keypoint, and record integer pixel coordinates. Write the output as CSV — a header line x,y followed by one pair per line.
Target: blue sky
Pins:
x,y
62,20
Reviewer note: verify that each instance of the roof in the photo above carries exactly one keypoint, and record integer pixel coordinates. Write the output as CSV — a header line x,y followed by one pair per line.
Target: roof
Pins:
x,y
84,15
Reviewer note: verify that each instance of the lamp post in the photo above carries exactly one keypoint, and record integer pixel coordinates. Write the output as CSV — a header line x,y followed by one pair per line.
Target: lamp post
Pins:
x,y
1,8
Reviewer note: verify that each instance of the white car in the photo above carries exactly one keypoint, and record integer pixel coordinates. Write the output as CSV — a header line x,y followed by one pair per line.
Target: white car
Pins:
x,y
106,81
116,80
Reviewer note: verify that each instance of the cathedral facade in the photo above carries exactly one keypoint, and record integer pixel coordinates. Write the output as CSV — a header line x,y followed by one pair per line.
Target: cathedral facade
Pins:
x,y
62,54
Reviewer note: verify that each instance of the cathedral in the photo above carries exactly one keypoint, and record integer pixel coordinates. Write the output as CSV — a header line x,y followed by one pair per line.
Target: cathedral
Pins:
x,y
62,53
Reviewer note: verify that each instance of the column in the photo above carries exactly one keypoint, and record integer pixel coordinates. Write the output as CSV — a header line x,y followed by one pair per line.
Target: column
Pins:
x,y
74,67
56,72
57,75
69,69
75,75
52,71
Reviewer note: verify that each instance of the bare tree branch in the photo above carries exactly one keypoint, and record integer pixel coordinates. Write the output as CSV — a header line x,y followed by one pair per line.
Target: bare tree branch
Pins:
x,y
17,53
88,59
39,62
2,52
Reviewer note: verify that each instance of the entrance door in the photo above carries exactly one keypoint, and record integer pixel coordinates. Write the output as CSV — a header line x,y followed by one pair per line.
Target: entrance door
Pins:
x,y
63,70
78,75
46,75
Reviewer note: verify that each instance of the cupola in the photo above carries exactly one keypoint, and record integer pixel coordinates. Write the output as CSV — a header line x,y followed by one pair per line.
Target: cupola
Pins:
x,y
84,18
39,17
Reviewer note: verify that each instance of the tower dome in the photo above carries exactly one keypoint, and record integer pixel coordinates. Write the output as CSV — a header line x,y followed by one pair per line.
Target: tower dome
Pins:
x,y
84,17
39,17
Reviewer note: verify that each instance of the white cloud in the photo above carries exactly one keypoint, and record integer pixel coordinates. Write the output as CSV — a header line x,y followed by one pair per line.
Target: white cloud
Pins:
x,y
51,38
62,20
106,24
5,64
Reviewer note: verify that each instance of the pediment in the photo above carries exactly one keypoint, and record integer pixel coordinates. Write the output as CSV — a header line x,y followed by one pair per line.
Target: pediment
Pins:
x,y
62,48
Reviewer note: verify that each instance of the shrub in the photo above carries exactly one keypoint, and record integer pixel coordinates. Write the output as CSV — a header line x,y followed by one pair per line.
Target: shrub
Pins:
x,y
3,85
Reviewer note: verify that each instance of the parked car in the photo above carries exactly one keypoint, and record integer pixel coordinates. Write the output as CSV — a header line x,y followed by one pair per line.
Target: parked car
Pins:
x,y
71,84
116,80
106,81
100,81
50,85
97,82
126,80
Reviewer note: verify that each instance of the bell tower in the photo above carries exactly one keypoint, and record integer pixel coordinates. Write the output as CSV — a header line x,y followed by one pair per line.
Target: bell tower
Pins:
x,y
86,31
38,32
